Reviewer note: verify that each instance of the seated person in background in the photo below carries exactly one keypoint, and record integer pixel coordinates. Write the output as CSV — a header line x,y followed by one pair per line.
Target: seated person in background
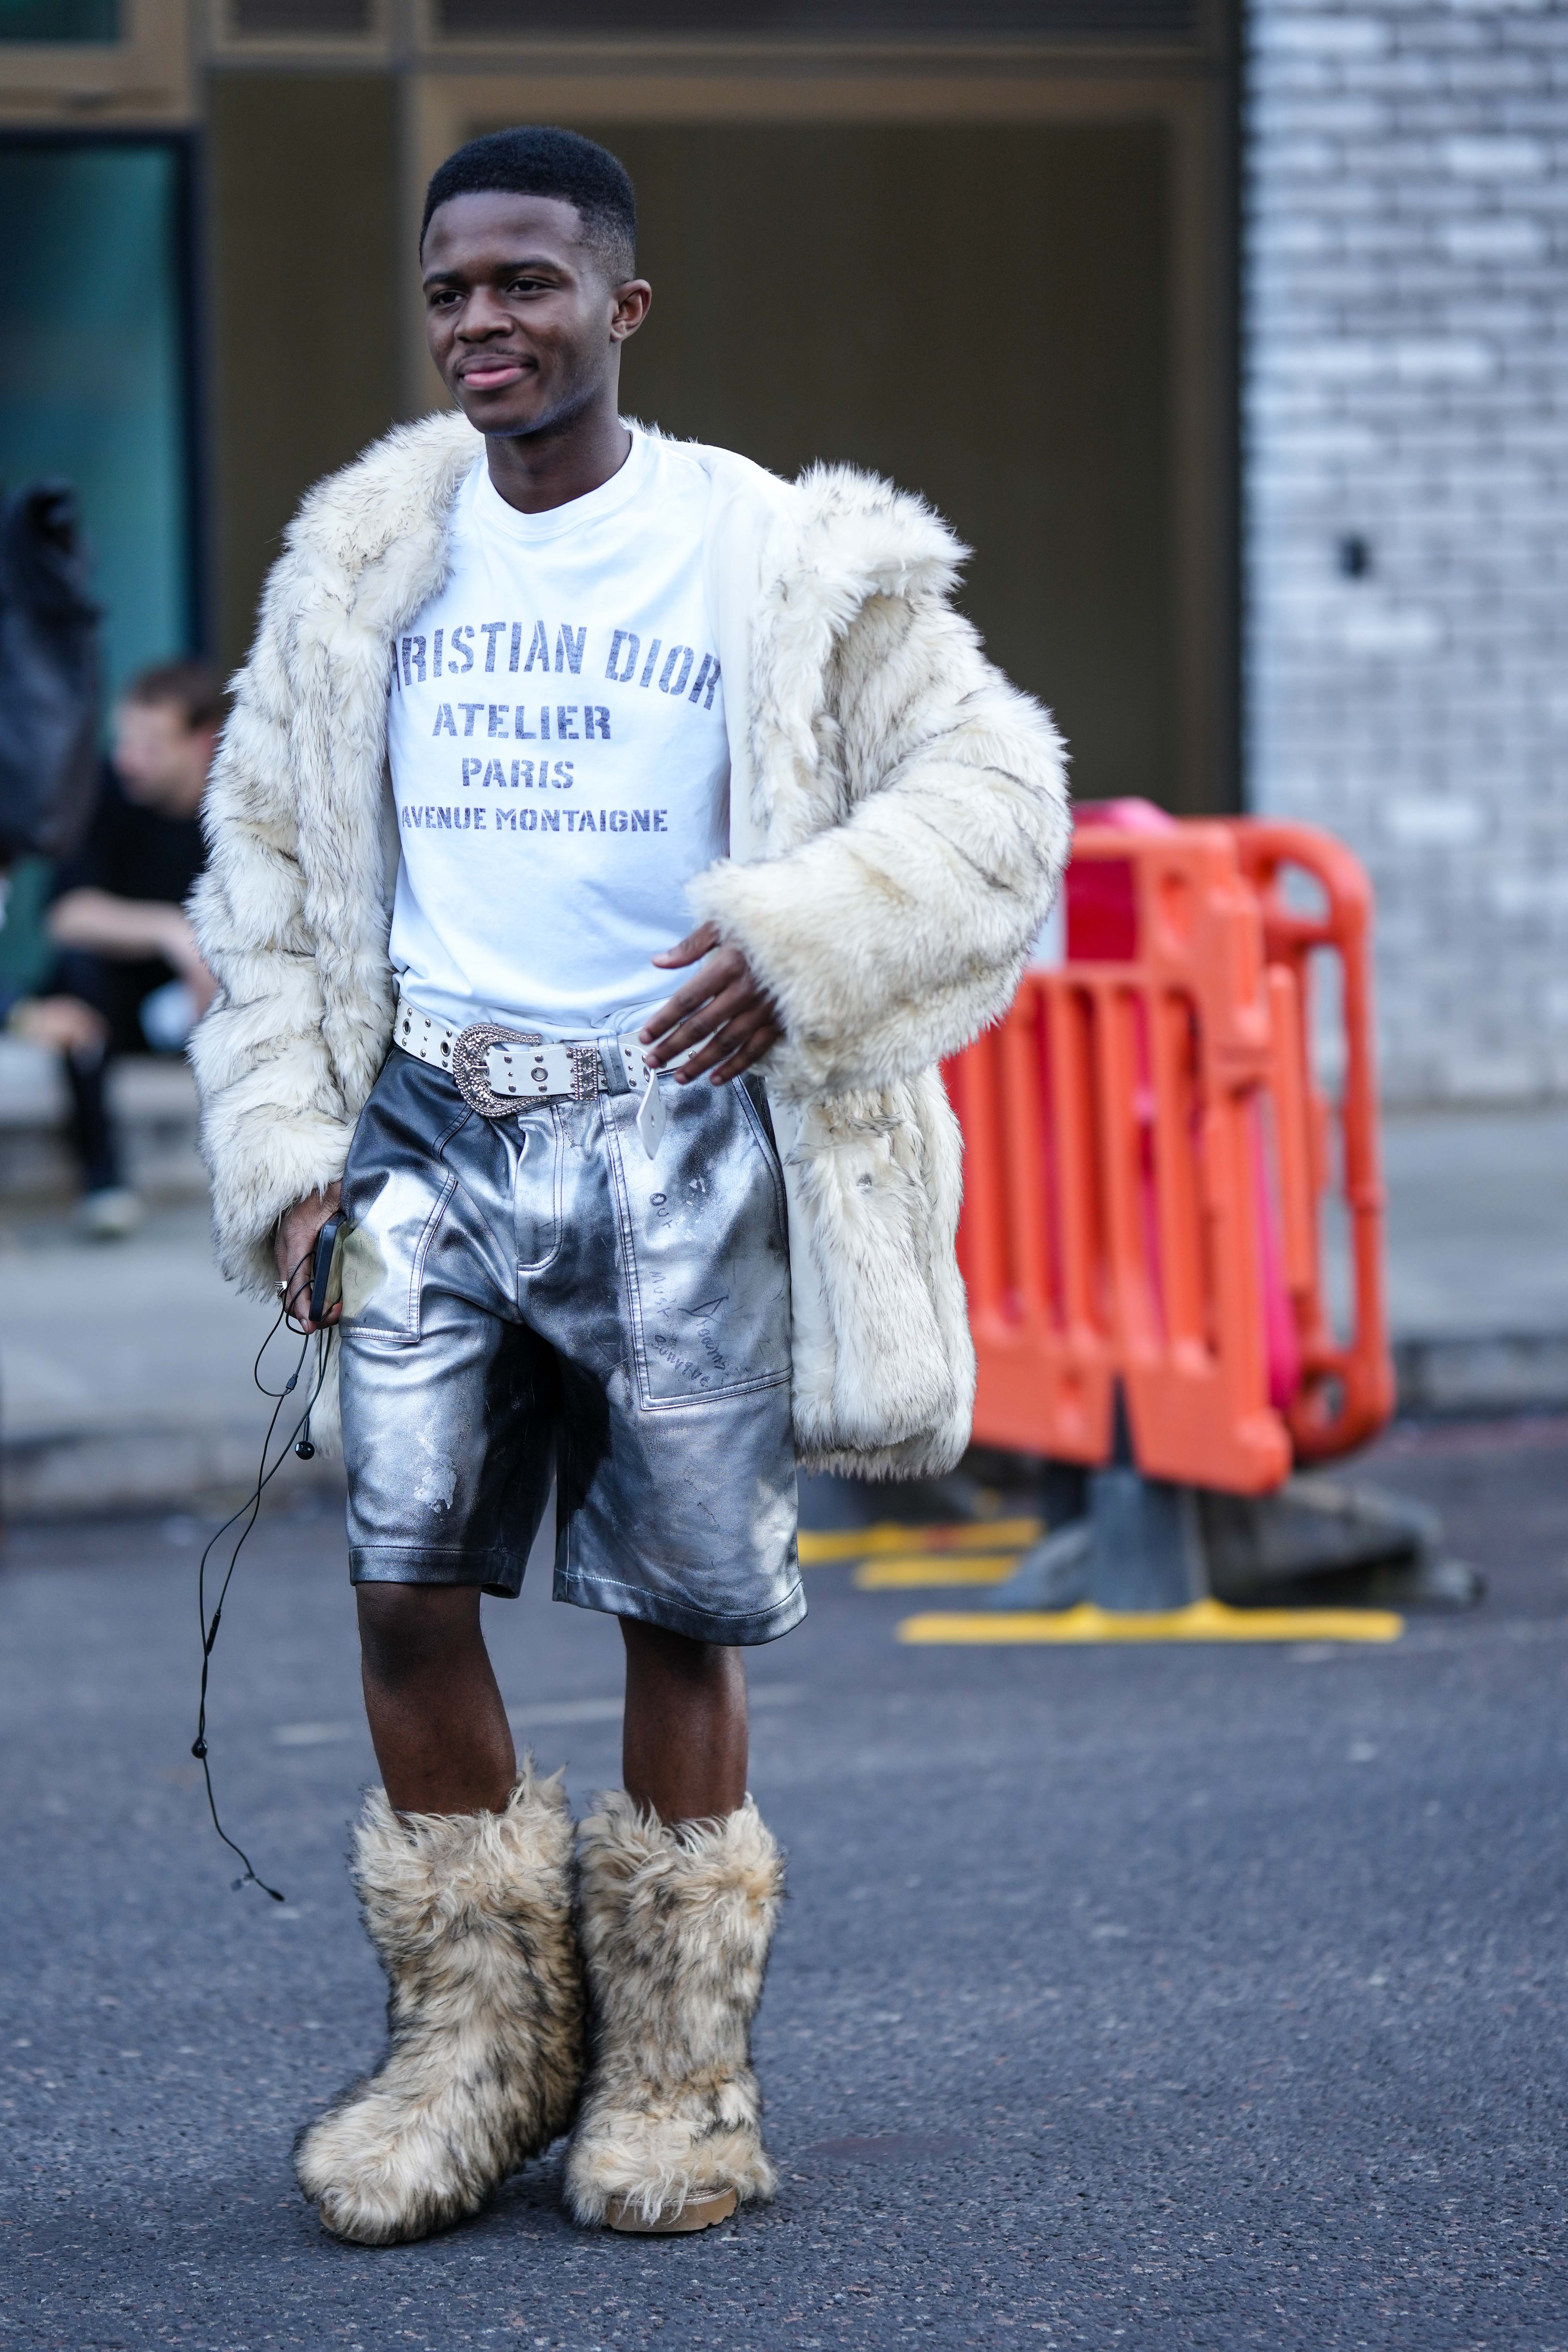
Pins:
x,y
128,953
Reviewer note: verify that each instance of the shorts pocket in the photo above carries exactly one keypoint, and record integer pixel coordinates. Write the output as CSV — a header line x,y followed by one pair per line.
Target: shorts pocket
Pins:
x,y
754,1110
387,1245
705,1248
538,1180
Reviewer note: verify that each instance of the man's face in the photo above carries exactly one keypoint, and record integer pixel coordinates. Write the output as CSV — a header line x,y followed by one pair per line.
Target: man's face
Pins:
x,y
161,761
520,317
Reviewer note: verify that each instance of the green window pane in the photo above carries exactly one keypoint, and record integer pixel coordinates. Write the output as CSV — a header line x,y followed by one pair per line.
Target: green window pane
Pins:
x,y
59,20
92,370
26,951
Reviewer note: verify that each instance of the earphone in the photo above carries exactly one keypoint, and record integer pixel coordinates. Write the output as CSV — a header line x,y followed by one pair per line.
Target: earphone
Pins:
x,y
299,1439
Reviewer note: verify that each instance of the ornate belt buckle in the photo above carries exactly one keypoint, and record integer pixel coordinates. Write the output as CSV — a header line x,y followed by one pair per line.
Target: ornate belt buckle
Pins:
x,y
588,1072
470,1071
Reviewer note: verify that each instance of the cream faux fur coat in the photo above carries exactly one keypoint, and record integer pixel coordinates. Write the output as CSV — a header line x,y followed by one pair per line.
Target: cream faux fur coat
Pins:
x,y
898,825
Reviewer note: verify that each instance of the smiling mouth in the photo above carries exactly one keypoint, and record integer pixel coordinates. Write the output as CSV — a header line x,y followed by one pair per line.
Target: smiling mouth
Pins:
x,y
489,375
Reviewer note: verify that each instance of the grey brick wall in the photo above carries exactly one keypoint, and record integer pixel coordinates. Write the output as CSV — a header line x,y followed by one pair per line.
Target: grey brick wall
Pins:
x,y
1405,406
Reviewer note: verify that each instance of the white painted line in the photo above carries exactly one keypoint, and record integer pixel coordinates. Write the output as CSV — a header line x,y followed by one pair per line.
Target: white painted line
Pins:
x,y
608,1710
543,1711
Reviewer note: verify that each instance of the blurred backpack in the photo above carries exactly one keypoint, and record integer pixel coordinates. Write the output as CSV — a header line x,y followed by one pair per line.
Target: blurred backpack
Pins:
x,y
49,674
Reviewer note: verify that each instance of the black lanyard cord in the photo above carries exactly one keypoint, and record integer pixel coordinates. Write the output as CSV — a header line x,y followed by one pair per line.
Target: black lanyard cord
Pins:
x,y
250,1511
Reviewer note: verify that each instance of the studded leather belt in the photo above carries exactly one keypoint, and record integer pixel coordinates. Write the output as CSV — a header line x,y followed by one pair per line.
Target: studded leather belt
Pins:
x,y
499,1071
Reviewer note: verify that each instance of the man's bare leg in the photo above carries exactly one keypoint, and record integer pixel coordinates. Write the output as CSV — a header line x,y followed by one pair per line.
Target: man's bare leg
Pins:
x,y
441,1735
679,1885
683,1746
466,1883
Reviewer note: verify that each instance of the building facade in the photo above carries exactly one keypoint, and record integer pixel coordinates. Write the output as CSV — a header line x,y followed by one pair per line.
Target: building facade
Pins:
x,y
985,247
1406,404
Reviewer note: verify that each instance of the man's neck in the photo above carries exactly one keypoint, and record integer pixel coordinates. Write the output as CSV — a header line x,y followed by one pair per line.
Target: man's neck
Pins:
x,y
536,471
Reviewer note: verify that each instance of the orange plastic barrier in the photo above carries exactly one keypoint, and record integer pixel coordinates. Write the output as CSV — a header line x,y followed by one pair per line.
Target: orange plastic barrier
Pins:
x,y
1346,1391
1146,1159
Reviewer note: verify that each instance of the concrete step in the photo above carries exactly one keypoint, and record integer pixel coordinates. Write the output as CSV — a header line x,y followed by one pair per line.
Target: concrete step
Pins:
x,y
154,1099
126,1371
1477,1257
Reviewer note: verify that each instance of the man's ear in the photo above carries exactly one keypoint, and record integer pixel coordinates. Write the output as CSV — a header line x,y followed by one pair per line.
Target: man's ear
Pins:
x,y
632,302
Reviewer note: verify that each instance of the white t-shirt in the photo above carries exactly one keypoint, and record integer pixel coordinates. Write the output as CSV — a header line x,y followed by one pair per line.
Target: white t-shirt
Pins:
x,y
558,753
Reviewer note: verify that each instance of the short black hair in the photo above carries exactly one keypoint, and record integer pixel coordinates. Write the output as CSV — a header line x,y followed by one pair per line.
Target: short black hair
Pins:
x,y
193,687
535,160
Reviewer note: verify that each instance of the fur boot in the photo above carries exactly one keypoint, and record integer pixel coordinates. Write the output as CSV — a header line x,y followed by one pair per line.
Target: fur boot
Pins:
x,y
470,1915
675,1926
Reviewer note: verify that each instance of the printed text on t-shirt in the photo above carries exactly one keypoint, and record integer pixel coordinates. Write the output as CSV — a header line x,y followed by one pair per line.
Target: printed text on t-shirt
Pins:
x,y
454,653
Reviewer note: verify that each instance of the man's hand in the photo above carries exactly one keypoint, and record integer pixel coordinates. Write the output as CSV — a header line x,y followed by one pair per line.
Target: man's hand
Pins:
x,y
64,1023
295,1251
721,1003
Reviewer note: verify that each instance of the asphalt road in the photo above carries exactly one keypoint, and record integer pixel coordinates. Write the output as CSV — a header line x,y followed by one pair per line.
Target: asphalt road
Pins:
x,y
1127,1998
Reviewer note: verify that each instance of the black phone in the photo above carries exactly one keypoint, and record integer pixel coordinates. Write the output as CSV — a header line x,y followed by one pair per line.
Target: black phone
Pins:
x,y
326,1273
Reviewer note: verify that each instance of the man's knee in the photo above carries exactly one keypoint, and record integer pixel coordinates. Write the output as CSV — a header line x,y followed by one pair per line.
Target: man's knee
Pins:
x,y
677,1656
406,1628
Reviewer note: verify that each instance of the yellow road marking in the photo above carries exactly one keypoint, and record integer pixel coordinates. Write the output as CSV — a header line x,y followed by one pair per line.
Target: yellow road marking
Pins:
x,y
820,1547
1202,1621
891,1575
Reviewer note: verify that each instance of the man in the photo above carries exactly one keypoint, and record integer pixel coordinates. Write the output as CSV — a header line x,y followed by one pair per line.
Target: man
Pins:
x,y
588,663
129,954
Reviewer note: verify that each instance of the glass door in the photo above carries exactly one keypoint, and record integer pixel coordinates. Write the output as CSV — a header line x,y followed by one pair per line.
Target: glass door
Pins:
x,y
95,389
94,368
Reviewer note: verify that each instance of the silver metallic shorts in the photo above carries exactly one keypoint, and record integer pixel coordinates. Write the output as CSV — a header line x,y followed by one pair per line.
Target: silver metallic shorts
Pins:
x,y
533,1293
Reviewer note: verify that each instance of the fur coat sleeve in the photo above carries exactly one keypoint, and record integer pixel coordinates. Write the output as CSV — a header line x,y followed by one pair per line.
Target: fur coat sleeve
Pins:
x,y
276,1123
293,910
914,803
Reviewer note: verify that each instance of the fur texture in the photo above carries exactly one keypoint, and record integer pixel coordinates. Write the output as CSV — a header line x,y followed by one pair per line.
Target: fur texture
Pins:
x,y
912,801
675,1927
911,811
470,1915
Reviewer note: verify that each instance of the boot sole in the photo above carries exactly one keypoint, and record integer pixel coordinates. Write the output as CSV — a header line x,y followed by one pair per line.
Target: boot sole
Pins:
x,y
701,2213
